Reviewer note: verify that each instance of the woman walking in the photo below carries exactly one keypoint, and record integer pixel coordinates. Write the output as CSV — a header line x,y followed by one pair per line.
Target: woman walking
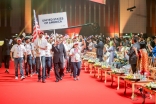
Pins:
x,y
76,60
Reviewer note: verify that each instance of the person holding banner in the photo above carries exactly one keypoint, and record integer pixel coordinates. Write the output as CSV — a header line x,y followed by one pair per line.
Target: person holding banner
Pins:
x,y
58,59
40,45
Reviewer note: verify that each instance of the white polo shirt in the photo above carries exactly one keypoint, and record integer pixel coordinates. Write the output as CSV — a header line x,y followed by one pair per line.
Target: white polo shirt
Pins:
x,y
41,43
48,51
18,50
28,48
76,57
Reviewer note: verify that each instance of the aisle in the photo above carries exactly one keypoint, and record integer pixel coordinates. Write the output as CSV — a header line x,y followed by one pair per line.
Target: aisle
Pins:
x,y
85,91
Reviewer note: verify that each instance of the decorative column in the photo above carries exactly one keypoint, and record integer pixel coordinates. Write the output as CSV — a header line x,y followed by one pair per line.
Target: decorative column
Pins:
x,y
28,19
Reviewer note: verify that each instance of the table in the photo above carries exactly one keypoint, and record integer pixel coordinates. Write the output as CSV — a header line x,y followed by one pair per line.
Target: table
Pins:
x,y
91,65
106,71
118,76
85,63
145,89
133,83
97,70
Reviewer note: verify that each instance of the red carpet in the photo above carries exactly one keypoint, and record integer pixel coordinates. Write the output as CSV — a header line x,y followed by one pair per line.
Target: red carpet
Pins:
x,y
85,91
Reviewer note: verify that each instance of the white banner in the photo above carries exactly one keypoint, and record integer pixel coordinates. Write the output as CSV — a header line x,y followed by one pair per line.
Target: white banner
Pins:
x,y
53,21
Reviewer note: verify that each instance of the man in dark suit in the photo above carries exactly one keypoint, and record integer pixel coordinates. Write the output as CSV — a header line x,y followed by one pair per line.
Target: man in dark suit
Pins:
x,y
99,50
58,59
133,57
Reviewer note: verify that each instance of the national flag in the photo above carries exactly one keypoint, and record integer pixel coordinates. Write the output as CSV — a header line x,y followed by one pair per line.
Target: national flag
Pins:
x,y
36,28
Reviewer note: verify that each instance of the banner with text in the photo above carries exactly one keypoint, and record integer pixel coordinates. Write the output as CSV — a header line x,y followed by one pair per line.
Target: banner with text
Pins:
x,y
53,21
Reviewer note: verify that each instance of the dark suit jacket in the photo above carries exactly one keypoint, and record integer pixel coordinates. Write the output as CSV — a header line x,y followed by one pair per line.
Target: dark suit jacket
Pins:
x,y
59,53
132,55
99,46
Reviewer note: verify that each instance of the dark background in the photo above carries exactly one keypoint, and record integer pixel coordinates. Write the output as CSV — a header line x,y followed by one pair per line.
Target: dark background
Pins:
x,y
12,15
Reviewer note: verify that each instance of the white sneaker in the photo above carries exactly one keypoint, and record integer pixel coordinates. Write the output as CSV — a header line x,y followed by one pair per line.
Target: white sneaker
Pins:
x,y
22,77
16,78
77,78
74,79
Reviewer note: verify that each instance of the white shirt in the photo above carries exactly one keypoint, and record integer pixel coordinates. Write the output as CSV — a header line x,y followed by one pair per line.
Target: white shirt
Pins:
x,y
75,55
41,43
90,46
48,51
28,48
68,46
18,50
34,52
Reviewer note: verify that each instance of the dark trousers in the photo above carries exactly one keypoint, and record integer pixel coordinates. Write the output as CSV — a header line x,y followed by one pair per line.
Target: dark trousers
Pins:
x,y
76,68
38,66
100,57
48,65
69,64
28,65
59,70
133,66
7,61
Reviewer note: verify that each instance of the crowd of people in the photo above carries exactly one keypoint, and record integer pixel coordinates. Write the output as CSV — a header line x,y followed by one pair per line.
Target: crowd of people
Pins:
x,y
63,54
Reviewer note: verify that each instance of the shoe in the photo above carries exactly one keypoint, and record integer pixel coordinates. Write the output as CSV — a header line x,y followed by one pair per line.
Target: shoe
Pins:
x,y
43,81
16,78
6,71
39,80
56,80
71,74
61,78
22,77
75,79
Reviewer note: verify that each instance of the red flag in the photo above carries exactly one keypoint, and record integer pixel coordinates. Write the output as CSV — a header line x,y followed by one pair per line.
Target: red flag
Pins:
x,y
99,1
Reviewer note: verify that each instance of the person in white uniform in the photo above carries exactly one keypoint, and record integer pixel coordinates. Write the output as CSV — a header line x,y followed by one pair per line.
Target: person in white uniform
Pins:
x,y
29,51
40,46
48,58
76,60
17,52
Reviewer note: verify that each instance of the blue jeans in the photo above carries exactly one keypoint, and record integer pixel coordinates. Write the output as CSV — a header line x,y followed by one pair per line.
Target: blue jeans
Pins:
x,y
38,66
76,68
48,65
28,65
34,65
18,62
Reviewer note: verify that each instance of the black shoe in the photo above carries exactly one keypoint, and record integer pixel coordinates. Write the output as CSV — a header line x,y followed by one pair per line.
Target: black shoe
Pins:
x,y
43,81
61,78
6,71
56,80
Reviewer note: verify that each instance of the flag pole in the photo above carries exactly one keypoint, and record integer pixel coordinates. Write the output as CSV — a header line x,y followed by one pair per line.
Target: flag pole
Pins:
x,y
55,35
37,34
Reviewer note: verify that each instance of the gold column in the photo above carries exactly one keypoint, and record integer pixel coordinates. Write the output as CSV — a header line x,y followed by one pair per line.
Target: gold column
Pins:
x,y
28,20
